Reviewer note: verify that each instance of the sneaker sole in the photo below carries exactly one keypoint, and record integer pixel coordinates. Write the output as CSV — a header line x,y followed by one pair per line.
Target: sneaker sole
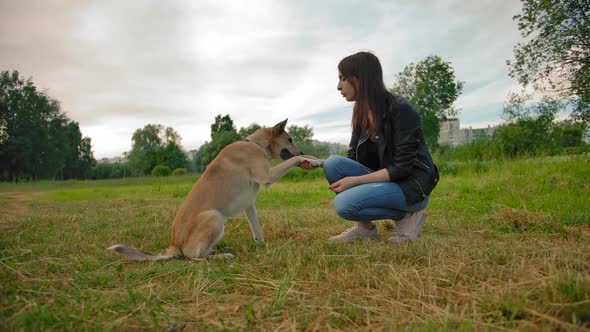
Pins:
x,y
350,240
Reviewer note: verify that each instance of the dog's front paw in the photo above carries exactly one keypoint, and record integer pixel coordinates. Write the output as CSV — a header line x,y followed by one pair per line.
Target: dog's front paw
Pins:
x,y
308,163
259,241
316,163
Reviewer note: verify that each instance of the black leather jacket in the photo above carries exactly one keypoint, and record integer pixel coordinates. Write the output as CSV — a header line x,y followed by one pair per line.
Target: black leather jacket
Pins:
x,y
402,150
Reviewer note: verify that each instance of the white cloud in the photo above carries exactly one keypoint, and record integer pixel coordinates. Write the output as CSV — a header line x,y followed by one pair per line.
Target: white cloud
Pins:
x,y
117,66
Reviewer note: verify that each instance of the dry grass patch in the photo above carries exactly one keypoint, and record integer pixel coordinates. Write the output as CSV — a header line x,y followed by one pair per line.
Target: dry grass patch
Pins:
x,y
13,205
523,220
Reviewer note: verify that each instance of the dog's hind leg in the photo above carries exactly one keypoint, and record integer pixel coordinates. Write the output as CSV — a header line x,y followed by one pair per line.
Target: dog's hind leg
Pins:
x,y
254,224
205,232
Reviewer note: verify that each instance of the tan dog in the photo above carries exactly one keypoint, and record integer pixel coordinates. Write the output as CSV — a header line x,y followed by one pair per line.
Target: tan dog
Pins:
x,y
228,186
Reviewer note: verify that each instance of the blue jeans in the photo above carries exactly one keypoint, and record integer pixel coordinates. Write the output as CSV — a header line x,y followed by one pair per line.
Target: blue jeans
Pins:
x,y
369,201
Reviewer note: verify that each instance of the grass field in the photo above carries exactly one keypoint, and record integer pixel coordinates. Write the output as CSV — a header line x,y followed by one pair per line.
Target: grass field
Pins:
x,y
506,246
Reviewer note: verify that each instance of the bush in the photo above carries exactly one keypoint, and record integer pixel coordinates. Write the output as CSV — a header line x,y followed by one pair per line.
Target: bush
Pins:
x,y
179,171
446,167
161,170
110,171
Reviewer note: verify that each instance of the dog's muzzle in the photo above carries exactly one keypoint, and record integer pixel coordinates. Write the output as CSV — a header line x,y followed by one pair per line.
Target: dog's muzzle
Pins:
x,y
285,154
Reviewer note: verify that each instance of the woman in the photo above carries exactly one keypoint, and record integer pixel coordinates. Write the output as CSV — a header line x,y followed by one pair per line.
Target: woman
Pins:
x,y
389,172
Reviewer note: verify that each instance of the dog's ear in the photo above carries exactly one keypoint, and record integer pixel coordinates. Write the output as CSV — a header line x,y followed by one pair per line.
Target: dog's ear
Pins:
x,y
279,128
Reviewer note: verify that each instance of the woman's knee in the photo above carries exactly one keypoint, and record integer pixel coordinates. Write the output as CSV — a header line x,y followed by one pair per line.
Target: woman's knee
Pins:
x,y
333,161
344,208
331,166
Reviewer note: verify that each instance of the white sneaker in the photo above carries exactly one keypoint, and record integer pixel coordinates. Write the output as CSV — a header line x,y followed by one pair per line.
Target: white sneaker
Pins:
x,y
355,232
409,227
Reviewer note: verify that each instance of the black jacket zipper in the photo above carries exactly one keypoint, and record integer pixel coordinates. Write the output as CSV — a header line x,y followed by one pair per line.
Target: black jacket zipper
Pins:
x,y
423,164
357,147
419,185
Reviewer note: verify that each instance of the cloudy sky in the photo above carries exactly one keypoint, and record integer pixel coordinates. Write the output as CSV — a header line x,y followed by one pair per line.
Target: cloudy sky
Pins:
x,y
119,65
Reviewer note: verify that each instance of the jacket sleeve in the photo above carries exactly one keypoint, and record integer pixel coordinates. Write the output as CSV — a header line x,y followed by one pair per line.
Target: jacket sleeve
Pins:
x,y
351,153
404,141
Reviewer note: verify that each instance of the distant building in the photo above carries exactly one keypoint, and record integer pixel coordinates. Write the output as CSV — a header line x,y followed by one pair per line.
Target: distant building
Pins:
x,y
452,134
114,160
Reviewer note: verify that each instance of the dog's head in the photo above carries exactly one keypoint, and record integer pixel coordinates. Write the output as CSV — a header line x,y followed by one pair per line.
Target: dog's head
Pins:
x,y
276,141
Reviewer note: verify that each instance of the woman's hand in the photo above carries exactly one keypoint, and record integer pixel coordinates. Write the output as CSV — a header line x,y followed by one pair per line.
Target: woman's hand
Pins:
x,y
351,181
344,183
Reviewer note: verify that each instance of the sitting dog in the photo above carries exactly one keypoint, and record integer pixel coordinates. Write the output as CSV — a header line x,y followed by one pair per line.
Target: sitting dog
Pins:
x,y
228,186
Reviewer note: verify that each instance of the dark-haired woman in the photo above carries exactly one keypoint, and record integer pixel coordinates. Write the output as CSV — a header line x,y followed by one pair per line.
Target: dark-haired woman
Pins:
x,y
388,172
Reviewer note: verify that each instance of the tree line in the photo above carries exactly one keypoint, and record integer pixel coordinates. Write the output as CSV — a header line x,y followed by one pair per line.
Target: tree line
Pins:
x,y
37,139
224,132
530,130
156,150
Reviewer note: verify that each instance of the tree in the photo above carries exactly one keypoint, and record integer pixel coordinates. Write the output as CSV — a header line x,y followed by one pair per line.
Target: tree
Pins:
x,y
171,136
247,131
302,138
222,124
568,134
155,145
200,157
3,123
223,133
530,126
209,150
171,155
27,114
86,159
555,56
431,86
301,134
37,140
144,145
78,157
109,171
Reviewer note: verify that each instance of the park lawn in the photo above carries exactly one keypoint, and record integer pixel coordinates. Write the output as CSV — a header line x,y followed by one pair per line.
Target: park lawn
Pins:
x,y
506,246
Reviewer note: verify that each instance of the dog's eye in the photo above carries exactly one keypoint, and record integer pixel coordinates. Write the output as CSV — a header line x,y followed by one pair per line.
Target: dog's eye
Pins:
x,y
290,140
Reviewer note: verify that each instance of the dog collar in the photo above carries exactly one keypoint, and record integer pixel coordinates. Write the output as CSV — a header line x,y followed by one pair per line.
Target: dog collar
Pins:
x,y
247,139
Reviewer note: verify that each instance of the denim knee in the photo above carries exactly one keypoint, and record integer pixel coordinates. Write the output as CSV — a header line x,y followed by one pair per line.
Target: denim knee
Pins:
x,y
331,166
344,208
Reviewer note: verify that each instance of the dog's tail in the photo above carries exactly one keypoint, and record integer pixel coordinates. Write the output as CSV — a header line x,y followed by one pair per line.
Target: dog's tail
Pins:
x,y
140,256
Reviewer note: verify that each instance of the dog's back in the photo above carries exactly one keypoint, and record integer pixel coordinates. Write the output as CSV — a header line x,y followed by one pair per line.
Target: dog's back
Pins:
x,y
227,184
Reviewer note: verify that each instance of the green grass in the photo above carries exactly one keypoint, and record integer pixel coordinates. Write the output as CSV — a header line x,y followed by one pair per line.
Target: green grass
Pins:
x,y
506,246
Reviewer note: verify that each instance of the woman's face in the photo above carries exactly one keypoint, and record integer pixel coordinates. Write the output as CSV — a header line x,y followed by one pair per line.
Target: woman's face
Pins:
x,y
346,87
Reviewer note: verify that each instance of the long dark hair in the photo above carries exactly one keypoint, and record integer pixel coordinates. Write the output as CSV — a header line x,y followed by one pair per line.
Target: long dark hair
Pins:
x,y
365,70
